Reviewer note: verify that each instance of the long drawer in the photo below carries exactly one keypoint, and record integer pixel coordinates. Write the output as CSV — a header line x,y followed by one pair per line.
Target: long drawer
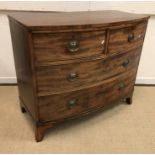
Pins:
x,y
68,45
74,76
57,107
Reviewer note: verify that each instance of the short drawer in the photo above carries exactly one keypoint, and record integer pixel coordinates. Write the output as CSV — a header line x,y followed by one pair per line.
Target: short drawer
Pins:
x,y
126,39
57,107
73,76
69,45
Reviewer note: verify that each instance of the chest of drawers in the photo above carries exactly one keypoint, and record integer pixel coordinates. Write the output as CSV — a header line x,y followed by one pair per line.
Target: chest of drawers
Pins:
x,y
72,64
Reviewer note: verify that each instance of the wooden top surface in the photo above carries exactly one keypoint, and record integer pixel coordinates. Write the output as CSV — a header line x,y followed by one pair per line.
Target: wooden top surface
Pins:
x,y
41,19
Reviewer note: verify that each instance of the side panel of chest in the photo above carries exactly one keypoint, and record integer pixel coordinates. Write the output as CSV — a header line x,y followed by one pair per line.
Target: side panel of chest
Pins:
x,y
24,68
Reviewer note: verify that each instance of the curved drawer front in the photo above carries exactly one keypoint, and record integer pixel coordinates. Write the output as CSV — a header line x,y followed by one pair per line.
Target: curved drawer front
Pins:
x,y
71,45
67,105
69,77
126,39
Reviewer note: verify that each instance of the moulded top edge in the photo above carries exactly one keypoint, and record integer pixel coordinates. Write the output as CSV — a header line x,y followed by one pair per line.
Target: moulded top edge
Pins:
x,y
45,19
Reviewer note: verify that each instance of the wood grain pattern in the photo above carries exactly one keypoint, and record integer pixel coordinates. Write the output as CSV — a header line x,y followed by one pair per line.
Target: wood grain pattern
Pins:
x,y
55,79
53,46
118,41
57,107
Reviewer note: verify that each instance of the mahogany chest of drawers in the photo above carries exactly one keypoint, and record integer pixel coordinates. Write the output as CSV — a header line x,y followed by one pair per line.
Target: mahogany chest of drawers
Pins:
x,y
72,64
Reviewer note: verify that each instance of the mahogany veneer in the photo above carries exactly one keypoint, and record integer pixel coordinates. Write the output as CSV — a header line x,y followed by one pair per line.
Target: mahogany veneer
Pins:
x,y
72,64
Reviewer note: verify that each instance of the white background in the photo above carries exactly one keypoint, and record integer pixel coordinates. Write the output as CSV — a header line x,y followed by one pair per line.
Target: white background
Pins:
x,y
146,72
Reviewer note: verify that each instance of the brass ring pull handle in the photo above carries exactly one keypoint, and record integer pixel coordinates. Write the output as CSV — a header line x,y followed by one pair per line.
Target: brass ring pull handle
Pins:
x,y
73,76
126,63
72,103
73,46
130,37
121,85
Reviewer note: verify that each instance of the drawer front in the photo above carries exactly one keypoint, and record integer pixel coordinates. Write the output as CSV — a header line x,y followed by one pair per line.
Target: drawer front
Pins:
x,y
70,77
126,39
57,107
71,45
